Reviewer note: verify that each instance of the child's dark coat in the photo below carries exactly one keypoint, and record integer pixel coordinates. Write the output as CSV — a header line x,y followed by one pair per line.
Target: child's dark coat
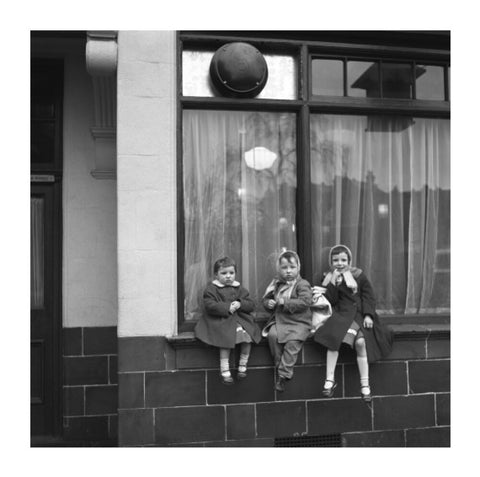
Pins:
x,y
217,327
348,307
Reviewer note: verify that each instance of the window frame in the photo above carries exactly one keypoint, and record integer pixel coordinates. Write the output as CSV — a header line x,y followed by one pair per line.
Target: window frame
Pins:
x,y
305,46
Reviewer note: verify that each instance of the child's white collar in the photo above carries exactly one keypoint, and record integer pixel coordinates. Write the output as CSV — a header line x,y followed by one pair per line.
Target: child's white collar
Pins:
x,y
221,285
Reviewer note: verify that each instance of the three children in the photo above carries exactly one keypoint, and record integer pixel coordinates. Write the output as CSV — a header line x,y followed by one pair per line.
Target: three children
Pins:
x,y
228,320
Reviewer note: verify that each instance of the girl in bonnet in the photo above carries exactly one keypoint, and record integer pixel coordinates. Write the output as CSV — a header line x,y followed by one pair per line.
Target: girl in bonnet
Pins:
x,y
354,320
288,296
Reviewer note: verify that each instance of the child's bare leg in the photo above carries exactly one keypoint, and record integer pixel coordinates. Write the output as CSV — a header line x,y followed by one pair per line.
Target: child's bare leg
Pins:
x,y
362,362
244,355
332,357
225,365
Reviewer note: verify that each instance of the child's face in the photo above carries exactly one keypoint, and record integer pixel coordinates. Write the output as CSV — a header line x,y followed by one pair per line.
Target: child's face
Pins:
x,y
226,275
288,269
340,261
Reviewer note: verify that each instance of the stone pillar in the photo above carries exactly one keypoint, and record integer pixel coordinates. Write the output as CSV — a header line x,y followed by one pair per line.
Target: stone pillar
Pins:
x,y
146,184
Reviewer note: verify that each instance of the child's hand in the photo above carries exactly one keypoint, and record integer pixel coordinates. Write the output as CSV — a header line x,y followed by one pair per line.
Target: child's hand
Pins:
x,y
234,306
271,304
318,291
368,322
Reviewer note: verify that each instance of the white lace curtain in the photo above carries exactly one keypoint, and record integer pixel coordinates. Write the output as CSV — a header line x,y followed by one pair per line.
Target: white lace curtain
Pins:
x,y
239,173
381,185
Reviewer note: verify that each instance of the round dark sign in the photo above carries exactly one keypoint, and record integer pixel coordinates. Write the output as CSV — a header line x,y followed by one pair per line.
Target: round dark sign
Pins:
x,y
238,70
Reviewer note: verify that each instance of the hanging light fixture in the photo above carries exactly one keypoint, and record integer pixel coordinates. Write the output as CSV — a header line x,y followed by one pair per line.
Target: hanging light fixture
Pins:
x,y
260,158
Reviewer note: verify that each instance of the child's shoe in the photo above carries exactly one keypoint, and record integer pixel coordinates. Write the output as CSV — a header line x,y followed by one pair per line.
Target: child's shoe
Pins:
x,y
242,372
280,384
366,393
226,378
328,390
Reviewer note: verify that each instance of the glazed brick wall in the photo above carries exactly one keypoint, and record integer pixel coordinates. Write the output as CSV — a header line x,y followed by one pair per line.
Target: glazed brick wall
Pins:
x,y
170,394
90,385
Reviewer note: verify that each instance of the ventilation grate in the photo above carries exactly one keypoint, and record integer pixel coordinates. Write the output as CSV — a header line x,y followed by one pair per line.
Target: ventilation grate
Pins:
x,y
328,440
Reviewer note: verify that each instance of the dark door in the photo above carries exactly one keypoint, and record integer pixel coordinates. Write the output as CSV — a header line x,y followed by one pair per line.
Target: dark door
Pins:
x,y
44,326
45,247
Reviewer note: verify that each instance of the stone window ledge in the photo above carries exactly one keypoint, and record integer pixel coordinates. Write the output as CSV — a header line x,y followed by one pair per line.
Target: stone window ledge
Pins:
x,y
403,331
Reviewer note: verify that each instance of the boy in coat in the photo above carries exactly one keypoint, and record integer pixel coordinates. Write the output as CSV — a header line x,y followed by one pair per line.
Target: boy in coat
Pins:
x,y
289,297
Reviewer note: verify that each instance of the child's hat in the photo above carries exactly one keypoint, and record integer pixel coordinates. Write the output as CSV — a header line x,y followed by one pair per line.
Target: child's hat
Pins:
x,y
336,249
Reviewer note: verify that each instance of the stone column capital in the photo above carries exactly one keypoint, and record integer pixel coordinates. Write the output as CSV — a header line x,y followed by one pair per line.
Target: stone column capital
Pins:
x,y
101,53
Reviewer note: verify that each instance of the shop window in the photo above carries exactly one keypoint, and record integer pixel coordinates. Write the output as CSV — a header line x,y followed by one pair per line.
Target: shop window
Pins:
x,y
382,186
377,175
239,196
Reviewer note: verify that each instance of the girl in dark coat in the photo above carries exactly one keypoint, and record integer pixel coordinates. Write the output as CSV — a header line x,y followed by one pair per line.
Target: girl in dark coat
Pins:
x,y
288,297
227,320
354,320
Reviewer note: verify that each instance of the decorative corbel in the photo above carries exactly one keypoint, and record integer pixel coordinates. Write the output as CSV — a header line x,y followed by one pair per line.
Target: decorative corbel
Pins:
x,y
101,58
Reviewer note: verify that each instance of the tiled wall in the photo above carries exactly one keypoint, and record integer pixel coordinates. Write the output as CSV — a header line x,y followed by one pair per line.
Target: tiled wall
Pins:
x,y
170,395
90,385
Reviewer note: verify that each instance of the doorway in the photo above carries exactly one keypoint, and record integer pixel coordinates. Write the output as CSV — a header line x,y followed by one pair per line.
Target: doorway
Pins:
x,y
46,248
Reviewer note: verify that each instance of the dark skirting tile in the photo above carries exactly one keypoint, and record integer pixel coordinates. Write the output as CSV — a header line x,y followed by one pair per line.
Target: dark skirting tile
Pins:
x,y
403,412
408,349
131,390
101,399
256,387
174,388
374,439
113,369
113,427
100,340
195,357
438,348
429,376
431,437
72,341
189,424
135,427
241,422
385,379
307,383
443,409
146,353
333,416
86,428
85,370
73,401
281,419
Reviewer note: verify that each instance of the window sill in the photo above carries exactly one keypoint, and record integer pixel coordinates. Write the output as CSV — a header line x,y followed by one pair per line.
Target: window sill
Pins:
x,y
402,331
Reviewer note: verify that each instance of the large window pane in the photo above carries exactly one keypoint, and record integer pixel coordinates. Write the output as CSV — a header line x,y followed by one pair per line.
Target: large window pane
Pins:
x,y
239,196
381,185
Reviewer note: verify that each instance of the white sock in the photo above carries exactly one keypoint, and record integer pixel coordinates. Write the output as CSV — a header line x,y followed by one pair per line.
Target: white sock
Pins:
x,y
362,362
224,367
242,363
